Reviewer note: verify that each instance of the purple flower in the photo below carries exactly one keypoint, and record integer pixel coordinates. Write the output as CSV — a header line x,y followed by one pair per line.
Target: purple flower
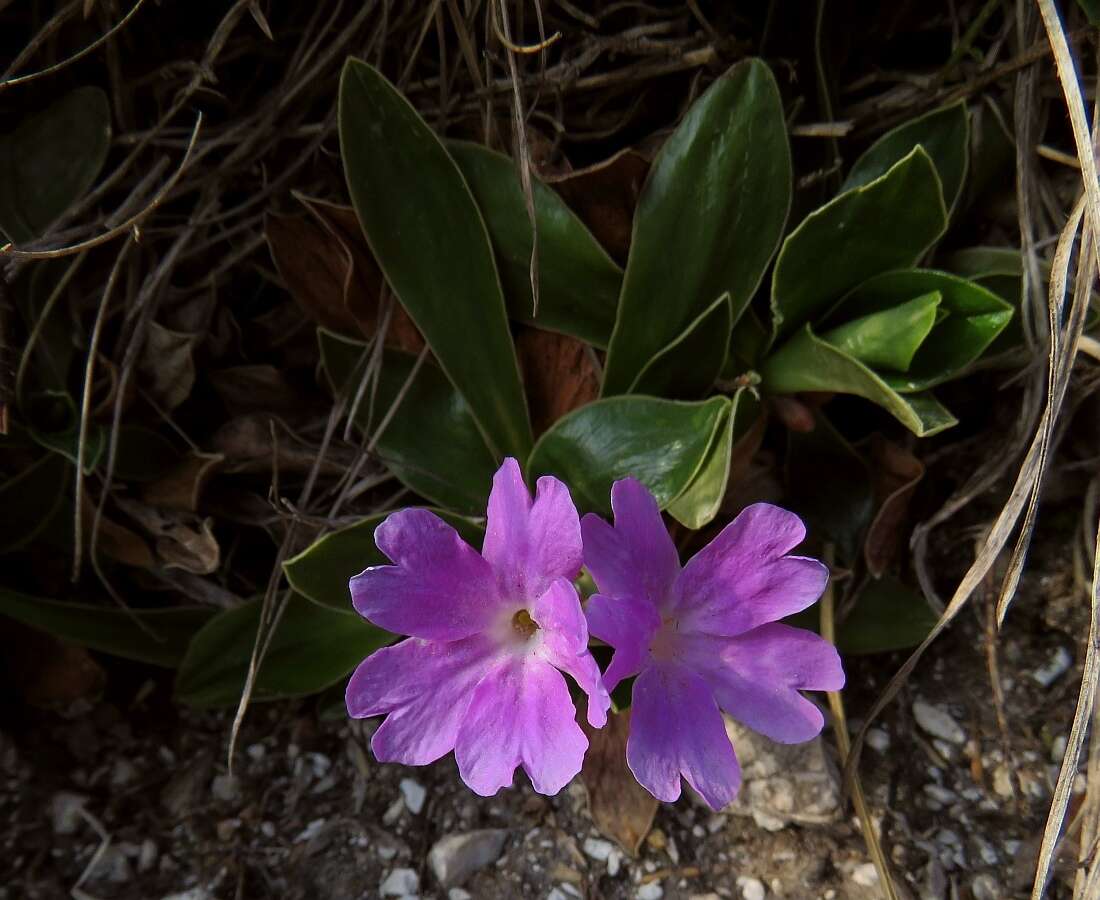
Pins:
x,y
490,635
704,638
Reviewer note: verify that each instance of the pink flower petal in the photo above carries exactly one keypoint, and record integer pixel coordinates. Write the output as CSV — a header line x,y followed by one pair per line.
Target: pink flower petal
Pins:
x,y
520,714
563,642
424,688
629,626
636,558
440,589
742,578
756,678
676,730
529,545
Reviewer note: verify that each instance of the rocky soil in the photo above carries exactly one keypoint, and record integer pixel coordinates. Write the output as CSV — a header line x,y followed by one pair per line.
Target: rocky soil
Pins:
x,y
130,798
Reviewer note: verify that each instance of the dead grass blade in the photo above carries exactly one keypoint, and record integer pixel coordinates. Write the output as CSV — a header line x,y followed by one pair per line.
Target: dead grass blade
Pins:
x,y
85,407
1014,506
80,54
1063,789
840,728
123,227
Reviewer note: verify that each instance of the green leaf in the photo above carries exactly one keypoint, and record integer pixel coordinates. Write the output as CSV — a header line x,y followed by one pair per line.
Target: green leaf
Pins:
x,y
884,225
578,282
708,220
945,136
30,499
829,485
890,338
888,615
662,443
975,317
156,636
431,443
1091,9
312,648
321,572
808,363
687,368
426,232
56,426
701,500
50,160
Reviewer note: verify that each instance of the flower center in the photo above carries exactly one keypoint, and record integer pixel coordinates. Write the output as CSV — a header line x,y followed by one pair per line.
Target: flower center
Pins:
x,y
524,625
666,642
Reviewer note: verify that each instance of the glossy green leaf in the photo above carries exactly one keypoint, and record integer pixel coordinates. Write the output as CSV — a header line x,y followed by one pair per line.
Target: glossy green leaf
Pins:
x,y
748,343
687,368
974,318
662,443
829,485
884,225
321,572
984,262
578,282
708,220
808,363
425,230
30,499
701,500
56,426
156,636
888,615
50,160
431,443
945,136
889,338
57,336
312,648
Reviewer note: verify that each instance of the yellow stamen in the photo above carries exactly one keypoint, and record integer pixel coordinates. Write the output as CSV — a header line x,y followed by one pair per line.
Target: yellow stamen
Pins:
x,y
524,625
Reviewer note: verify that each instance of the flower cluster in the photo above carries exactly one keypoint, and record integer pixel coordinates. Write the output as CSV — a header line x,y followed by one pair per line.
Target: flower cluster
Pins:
x,y
491,637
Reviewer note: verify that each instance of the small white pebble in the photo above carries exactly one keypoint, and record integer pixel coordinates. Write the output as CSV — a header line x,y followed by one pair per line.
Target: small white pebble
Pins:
x,y
459,894
599,850
310,831
751,888
865,875
937,722
400,883
414,794
393,812
878,740
256,752
651,891
1054,668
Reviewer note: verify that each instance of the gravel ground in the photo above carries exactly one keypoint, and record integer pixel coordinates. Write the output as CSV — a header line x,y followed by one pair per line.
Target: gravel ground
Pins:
x,y
129,797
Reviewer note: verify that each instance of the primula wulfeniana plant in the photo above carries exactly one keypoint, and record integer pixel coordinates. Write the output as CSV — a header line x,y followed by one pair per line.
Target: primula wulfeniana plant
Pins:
x,y
490,635
704,638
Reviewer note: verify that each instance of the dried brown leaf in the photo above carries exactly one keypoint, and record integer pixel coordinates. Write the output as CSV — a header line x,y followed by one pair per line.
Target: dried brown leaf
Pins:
x,y
246,443
895,473
246,389
363,272
605,195
167,362
621,808
317,271
181,487
181,540
46,671
559,373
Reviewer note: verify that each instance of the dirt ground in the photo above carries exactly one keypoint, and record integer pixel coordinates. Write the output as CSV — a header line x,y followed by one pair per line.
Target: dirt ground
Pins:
x,y
131,798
